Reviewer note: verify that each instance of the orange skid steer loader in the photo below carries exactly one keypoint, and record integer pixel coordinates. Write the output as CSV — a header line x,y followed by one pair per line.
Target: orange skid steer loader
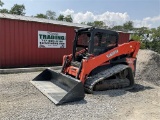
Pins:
x,y
97,63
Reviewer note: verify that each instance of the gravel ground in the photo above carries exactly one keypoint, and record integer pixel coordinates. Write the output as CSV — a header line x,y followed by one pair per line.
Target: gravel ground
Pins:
x,y
19,100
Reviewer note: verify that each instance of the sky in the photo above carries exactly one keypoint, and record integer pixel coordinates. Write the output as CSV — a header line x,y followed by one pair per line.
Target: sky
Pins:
x,y
113,12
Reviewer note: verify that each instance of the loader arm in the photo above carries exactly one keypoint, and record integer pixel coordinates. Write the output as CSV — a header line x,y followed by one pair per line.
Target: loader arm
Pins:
x,y
131,48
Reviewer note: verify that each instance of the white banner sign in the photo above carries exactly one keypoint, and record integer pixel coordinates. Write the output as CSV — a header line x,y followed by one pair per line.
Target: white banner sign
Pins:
x,y
48,39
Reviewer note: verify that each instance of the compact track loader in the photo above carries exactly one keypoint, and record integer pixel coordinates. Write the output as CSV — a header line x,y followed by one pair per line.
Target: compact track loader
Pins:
x,y
97,63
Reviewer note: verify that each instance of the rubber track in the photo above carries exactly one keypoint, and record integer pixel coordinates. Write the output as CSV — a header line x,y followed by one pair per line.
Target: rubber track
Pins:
x,y
91,81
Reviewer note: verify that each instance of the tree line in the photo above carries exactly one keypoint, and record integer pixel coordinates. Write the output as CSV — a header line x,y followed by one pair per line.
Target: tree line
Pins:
x,y
149,37
20,10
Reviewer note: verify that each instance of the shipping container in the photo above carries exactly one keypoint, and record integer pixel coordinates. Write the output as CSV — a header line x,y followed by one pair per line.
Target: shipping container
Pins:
x,y
123,37
19,40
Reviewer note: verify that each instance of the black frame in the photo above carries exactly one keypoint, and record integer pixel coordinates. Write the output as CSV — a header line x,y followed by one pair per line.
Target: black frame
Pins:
x,y
92,31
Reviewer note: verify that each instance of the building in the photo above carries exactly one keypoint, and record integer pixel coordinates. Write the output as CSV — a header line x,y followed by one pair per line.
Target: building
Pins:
x,y
21,40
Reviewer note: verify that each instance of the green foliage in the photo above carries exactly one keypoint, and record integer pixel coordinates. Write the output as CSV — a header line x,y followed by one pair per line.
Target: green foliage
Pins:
x,y
128,26
18,9
118,28
1,3
90,23
155,45
156,33
135,37
4,11
149,38
84,23
98,24
51,15
41,16
67,18
138,38
60,17
143,30
143,45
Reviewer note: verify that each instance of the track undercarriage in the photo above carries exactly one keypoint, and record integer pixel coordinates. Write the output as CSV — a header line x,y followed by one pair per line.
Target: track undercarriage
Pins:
x,y
119,76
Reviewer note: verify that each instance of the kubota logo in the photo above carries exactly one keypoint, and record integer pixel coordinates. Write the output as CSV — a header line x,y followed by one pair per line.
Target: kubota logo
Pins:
x,y
112,53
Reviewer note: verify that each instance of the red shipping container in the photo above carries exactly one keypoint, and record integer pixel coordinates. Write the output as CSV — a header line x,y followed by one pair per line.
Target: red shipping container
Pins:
x,y
123,37
19,41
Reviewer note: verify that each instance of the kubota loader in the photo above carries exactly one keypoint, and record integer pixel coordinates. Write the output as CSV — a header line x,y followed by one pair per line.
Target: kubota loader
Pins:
x,y
97,63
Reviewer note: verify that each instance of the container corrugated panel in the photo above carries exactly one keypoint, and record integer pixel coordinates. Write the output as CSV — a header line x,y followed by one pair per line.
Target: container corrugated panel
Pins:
x,y
19,43
123,37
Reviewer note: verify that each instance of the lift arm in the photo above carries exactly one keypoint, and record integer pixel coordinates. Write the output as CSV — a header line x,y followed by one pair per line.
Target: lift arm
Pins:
x,y
130,48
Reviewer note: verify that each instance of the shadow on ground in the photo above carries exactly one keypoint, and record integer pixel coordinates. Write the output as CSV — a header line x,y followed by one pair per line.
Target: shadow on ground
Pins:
x,y
113,93
138,87
76,102
120,92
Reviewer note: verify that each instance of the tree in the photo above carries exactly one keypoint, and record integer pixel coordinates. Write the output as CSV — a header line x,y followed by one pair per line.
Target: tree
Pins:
x,y
118,28
136,37
4,11
18,9
144,33
128,26
84,23
68,18
90,23
1,3
156,33
51,15
155,44
98,24
143,30
60,17
41,16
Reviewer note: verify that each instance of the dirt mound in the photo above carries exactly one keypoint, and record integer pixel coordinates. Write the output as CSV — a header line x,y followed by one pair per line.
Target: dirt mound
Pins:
x,y
148,67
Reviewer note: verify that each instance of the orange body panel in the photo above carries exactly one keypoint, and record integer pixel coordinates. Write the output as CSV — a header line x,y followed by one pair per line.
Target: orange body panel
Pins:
x,y
130,48
72,70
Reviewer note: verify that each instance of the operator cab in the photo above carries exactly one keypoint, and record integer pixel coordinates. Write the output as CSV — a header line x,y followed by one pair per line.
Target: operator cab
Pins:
x,y
93,41
82,45
103,42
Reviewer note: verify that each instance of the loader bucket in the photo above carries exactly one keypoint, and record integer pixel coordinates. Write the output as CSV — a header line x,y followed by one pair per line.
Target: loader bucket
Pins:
x,y
58,87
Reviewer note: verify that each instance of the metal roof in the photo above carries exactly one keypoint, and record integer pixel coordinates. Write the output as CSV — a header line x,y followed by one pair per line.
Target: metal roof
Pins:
x,y
41,20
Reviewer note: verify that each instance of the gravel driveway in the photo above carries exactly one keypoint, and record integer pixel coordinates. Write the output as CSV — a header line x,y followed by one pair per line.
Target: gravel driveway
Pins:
x,y
20,100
